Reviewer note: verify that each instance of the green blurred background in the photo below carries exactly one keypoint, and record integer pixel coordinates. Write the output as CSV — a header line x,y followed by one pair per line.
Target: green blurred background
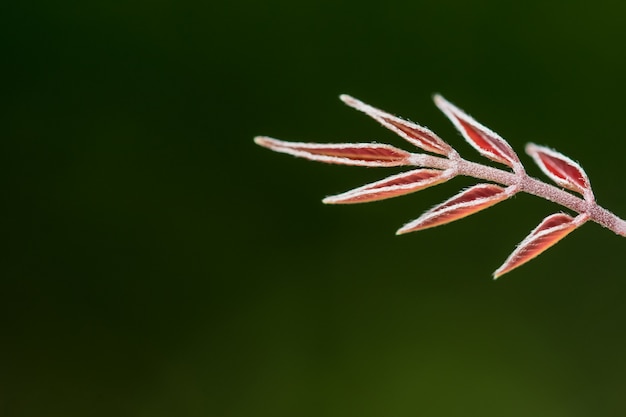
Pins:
x,y
158,263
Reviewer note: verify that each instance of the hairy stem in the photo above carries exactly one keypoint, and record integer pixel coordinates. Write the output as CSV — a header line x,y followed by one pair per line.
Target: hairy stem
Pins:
x,y
525,183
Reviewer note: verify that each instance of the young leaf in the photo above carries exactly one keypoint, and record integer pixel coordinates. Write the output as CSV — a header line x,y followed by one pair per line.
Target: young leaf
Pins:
x,y
552,229
394,186
561,169
469,201
418,135
487,142
361,154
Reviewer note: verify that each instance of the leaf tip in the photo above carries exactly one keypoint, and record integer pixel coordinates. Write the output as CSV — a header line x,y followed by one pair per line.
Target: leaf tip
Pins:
x,y
439,100
262,141
530,146
497,274
269,143
350,101
401,231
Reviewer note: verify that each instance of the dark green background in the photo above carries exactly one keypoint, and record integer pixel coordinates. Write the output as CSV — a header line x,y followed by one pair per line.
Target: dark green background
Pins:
x,y
158,263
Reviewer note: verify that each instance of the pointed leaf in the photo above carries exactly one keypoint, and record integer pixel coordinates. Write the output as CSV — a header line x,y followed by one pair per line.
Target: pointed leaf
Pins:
x,y
361,154
393,186
552,229
418,135
487,142
560,169
469,201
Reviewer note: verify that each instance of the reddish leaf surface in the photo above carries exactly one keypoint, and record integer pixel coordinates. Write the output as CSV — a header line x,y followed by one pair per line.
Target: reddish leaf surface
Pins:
x,y
418,135
552,229
393,186
487,142
469,201
560,169
361,154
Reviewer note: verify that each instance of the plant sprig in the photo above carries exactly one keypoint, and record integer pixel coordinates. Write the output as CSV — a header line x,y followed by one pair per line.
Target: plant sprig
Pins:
x,y
446,163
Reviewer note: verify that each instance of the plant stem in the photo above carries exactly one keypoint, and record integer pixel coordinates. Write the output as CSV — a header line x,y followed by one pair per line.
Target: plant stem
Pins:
x,y
525,183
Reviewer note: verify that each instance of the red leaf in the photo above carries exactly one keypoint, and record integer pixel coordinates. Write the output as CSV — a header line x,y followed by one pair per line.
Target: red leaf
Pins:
x,y
469,201
552,229
361,154
414,133
561,169
487,142
393,186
